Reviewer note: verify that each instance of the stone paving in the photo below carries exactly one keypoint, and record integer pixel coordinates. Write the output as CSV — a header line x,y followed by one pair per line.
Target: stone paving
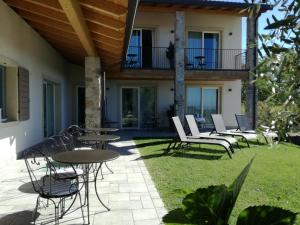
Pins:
x,y
129,192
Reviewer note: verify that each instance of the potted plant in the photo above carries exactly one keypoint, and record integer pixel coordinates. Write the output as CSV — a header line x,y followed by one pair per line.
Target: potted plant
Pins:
x,y
170,54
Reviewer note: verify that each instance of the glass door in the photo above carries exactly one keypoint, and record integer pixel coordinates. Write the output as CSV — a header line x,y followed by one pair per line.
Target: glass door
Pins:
x,y
193,100
211,49
148,107
194,54
48,105
134,53
130,107
210,98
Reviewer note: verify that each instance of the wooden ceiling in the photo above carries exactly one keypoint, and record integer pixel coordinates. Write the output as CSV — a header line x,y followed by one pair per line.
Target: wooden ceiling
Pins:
x,y
79,28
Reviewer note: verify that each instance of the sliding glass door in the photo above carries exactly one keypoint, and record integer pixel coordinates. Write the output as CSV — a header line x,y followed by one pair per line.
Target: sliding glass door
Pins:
x,y
202,101
130,107
210,101
51,108
139,54
138,107
203,50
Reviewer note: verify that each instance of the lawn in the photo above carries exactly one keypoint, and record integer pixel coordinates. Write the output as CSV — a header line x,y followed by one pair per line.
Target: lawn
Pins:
x,y
274,178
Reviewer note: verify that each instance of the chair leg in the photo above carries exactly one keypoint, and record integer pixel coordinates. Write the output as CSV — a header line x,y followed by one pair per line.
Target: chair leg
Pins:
x,y
228,152
238,145
36,209
81,207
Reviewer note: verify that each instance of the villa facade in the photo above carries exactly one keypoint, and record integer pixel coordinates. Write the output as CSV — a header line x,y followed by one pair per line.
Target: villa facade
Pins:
x,y
82,62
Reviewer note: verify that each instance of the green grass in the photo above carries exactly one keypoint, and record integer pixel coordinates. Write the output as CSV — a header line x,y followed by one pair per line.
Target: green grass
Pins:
x,y
274,178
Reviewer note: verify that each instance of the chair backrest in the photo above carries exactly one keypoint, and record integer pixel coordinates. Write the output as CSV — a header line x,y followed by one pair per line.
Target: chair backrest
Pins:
x,y
68,140
243,122
36,164
179,128
192,125
218,123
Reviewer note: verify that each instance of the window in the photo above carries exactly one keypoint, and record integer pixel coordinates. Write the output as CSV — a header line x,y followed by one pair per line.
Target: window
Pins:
x,y
2,92
202,101
140,53
51,108
203,49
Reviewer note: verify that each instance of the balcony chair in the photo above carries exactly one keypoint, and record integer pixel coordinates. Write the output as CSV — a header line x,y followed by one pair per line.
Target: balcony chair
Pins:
x,y
195,133
184,139
48,185
219,128
244,126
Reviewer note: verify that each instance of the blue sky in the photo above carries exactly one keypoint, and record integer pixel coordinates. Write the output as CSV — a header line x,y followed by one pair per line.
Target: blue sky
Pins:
x,y
262,23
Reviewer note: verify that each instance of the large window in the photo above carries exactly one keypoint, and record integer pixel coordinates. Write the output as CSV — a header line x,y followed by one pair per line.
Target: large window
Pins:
x,y
202,101
2,92
203,49
140,53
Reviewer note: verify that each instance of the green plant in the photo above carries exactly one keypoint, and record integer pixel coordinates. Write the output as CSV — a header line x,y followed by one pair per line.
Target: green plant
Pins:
x,y
213,206
170,52
278,72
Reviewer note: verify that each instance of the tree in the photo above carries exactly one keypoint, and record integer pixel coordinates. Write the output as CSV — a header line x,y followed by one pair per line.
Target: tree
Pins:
x,y
278,71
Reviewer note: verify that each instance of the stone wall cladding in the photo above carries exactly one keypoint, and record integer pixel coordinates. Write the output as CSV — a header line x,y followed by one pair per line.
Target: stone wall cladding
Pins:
x,y
92,92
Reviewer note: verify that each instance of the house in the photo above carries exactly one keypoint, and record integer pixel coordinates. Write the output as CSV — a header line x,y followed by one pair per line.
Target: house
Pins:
x,y
201,76
65,62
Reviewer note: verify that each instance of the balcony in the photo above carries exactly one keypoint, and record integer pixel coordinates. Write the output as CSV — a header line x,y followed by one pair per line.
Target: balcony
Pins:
x,y
195,59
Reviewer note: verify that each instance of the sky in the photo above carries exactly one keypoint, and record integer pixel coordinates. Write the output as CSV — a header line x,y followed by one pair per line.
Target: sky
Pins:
x,y
262,23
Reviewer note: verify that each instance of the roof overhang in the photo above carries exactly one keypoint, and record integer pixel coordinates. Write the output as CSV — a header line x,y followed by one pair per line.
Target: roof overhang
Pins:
x,y
206,6
81,28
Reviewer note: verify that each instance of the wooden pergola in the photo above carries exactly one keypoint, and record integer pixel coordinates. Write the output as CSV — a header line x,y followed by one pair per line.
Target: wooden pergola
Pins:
x,y
80,28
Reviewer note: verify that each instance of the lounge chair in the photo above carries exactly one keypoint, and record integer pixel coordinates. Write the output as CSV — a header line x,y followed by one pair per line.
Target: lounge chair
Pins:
x,y
221,129
189,140
197,134
244,126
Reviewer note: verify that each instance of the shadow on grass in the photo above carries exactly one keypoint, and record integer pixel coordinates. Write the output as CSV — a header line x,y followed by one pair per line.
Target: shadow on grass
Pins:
x,y
18,218
196,156
148,144
176,216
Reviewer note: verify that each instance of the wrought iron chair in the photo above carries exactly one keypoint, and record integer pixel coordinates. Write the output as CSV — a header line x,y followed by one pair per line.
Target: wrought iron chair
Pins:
x,y
48,184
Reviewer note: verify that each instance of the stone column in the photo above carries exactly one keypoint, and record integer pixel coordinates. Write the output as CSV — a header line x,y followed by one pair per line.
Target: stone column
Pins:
x,y
179,65
251,62
93,92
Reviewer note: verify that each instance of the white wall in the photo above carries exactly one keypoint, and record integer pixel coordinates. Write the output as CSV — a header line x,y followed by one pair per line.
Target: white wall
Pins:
x,y
163,24
230,100
20,43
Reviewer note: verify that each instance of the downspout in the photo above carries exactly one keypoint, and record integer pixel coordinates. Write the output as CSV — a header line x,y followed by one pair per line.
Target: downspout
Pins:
x,y
132,9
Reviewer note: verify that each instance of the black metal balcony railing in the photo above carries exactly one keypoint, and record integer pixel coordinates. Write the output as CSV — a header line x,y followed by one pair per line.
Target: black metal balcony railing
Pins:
x,y
195,59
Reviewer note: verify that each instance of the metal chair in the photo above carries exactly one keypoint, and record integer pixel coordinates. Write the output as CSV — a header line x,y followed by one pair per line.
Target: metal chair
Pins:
x,y
48,184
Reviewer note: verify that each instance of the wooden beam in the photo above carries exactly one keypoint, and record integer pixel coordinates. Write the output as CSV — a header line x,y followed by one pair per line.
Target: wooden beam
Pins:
x,y
105,39
51,31
51,4
74,14
45,27
108,32
37,9
45,20
105,6
103,20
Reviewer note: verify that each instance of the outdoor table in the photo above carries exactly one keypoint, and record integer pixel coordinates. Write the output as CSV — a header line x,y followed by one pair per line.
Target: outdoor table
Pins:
x,y
201,61
87,158
100,130
100,140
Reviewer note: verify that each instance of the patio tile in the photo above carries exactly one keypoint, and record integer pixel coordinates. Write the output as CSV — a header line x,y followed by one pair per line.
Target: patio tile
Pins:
x,y
129,192
144,214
